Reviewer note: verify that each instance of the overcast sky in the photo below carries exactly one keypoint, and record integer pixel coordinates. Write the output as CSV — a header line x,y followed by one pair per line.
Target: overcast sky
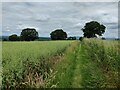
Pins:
x,y
48,16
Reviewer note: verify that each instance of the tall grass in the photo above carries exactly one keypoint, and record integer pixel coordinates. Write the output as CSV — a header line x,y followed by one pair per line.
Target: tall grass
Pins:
x,y
64,69
26,64
101,63
91,63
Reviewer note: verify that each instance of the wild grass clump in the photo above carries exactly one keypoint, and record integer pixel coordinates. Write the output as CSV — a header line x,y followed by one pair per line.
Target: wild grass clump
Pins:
x,y
104,57
65,68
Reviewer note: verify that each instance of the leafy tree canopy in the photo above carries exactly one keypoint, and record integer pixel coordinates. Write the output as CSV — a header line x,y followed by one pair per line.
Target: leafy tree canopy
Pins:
x,y
13,37
58,34
29,34
92,29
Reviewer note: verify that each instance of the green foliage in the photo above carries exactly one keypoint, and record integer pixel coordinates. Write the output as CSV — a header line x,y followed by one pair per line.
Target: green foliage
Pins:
x,y
29,34
103,38
13,37
93,28
81,38
71,38
58,34
4,39
100,65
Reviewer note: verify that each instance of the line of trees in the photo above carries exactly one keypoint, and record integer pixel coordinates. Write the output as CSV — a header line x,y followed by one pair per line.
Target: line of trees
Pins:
x,y
90,30
27,34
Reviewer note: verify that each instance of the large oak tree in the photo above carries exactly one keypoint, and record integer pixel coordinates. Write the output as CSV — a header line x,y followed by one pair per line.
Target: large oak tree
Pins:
x,y
92,29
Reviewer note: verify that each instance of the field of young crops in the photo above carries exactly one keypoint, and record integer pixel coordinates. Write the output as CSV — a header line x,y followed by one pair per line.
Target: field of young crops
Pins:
x,y
22,61
90,63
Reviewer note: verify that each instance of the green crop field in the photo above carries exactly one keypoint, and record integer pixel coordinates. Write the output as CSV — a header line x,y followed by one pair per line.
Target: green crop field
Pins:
x,y
90,63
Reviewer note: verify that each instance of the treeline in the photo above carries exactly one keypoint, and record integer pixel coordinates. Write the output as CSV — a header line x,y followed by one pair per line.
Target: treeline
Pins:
x,y
30,34
90,30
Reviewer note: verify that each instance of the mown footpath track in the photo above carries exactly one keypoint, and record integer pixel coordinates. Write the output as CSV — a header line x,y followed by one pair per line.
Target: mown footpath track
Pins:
x,y
85,65
65,69
77,72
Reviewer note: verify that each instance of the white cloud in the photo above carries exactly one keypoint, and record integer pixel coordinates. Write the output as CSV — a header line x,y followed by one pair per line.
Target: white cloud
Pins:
x,y
20,27
48,16
78,25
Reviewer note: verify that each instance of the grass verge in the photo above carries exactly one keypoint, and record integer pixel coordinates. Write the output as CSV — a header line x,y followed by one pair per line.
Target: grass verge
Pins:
x,y
65,68
99,64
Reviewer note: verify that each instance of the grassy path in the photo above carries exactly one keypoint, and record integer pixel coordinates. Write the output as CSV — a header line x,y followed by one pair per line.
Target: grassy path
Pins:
x,y
86,72
82,67
69,69
66,67
77,72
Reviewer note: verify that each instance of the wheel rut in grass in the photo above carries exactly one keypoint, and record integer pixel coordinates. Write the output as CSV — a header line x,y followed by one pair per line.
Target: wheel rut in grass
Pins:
x,y
77,71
